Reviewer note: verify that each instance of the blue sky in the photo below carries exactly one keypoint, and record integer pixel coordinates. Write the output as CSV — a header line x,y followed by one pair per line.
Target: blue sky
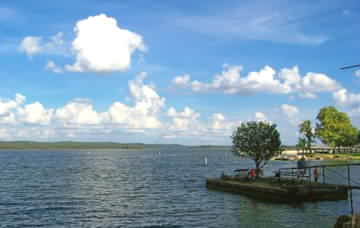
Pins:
x,y
173,71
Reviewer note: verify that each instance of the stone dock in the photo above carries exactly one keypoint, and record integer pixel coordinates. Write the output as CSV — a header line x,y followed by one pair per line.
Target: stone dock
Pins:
x,y
285,191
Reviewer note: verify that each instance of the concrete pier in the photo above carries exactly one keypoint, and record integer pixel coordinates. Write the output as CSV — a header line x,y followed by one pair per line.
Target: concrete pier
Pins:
x,y
273,190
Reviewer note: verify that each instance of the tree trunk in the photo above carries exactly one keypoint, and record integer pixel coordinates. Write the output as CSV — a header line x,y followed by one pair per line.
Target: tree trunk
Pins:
x,y
257,169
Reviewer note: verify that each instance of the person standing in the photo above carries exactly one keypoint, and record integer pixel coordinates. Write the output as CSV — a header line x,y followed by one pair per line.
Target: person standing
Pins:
x,y
301,164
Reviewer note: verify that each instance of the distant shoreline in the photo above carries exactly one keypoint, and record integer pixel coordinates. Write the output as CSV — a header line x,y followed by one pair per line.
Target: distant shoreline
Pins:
x,y
66,145
293,155
73,145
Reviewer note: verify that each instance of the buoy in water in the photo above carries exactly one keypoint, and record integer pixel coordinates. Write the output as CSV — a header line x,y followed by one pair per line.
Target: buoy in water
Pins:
x,y
205,161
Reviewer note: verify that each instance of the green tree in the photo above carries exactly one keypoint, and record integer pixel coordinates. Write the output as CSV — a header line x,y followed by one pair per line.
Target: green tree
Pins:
x,y
258,140
301,144
334,128
308,134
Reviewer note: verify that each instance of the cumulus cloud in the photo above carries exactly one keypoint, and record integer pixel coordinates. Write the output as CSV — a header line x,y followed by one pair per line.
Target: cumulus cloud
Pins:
x,y
344,98
348,100
78,113
291,112
147,105
181,80
316,82
102,46
15,112
7,108
259,116
267,80
8,105
35,113
33,45
144,114
219,123
52,66
182,121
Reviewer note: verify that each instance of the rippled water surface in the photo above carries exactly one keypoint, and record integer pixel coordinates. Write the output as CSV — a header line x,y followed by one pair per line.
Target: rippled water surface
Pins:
x,y
146,188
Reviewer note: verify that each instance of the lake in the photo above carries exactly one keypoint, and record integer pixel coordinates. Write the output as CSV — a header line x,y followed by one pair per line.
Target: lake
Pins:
x,y
140,188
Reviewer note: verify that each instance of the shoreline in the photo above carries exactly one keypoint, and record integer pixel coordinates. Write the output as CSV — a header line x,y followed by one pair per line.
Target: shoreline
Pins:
x,y
293,155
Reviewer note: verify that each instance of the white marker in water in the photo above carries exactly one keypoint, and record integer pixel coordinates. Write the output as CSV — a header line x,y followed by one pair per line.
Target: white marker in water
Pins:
x,y
205,161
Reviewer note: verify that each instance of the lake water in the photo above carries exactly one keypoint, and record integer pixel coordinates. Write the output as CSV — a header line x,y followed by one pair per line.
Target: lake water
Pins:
x,y
145,188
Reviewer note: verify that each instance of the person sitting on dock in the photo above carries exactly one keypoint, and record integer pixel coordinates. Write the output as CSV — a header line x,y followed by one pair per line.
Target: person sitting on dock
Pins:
x,y
316,174
252,174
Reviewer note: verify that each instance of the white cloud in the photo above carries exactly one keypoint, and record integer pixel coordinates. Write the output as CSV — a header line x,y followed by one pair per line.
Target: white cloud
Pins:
x,y
289,110
145,116
35,113
51,66
350,101
259,116
357,73
221,124
185,120
147,105
315,82
102,46
14,111
32,45
76,112
181,80
218,121
8,105
267,80
9,118
344,98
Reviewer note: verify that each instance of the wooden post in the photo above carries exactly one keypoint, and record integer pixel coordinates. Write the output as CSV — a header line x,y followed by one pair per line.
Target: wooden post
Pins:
x,y
279,175
349,185
323,174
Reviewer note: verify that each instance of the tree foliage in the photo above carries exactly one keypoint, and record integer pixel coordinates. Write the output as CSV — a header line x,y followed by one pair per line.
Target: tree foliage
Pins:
x,y
308,134
301,144
334,128
258,140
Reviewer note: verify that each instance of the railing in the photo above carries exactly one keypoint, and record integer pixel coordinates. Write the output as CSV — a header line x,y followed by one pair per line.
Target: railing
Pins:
x,y
341,150
336,174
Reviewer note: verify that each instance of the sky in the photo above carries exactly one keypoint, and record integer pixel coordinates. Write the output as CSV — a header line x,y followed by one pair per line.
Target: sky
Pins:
x,y
184,72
